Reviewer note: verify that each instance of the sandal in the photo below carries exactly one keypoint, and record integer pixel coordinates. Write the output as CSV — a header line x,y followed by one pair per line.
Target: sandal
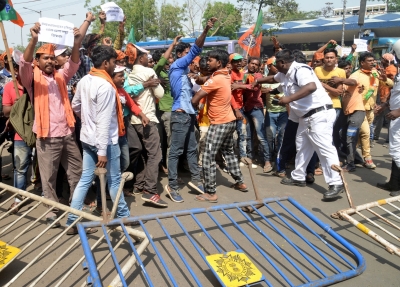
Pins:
x,y
90,207
267,168
74,231
127,193
318,171
6,177
205,197
15,211
99,212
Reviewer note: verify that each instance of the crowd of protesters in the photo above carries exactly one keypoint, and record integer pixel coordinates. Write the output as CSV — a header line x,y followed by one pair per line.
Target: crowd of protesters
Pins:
x,y
99,105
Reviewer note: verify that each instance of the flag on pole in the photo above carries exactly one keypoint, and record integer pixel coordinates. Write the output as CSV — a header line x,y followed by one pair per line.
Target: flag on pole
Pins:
x,y
9,14
251,40
131,37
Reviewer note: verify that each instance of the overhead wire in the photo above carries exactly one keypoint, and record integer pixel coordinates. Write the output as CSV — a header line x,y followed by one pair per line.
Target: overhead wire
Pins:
x,y
51,7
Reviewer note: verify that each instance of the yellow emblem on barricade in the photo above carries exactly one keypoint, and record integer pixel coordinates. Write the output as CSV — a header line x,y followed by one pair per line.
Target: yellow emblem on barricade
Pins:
x,y
7,254
234,269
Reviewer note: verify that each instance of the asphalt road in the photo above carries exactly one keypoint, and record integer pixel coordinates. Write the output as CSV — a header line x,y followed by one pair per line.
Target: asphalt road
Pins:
x,y
382,268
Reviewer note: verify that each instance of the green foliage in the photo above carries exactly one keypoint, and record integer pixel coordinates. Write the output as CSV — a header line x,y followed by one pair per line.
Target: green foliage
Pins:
x,y
20,48
139,13
229,19
169,21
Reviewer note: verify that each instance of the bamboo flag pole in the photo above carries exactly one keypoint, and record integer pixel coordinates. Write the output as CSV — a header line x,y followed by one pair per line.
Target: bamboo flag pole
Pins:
x,y
248,49
9,59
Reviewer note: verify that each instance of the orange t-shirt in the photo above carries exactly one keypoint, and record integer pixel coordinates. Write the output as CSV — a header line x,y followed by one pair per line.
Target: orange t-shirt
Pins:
x,y
383,89
352,100
218,88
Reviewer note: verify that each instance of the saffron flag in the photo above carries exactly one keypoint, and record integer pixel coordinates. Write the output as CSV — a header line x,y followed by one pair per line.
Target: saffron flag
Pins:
x,y
131,37
251,40
9,14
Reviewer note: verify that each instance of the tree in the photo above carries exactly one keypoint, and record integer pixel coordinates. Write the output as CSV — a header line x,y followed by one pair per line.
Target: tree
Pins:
x,y
393,5
20,48
139,13
169,21
194,10
229,19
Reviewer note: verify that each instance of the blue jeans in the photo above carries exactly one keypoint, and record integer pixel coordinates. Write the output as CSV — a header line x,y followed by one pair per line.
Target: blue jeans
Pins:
x,y
113,179
22,160
241,132
256,122
182,136
275,124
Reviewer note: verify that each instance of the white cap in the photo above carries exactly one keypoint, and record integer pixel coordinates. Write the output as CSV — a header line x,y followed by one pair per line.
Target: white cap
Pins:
x,y
149,57
59,50
119,69
141,49
16,55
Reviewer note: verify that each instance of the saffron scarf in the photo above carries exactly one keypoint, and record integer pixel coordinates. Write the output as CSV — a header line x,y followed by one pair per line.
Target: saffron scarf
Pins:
x,y
104,75
41,102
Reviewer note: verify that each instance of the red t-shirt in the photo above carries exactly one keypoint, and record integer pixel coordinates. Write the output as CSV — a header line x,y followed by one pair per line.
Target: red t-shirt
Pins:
x,y
9,98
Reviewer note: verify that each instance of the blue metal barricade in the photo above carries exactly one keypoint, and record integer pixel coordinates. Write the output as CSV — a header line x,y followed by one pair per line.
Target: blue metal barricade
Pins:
x,y
284,241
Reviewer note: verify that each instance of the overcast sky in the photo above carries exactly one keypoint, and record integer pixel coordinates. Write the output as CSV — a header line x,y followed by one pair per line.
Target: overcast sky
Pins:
x,y
52,8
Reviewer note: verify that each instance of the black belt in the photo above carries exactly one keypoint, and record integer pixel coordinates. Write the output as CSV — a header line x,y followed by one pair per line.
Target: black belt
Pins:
x,y
316,110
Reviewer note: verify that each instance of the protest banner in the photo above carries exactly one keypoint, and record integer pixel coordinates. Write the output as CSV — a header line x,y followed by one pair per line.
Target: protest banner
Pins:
x,y
56,31
362,45
113,12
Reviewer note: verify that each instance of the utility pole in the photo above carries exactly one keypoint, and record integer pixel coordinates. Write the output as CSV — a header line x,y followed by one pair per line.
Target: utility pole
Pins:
x,y
343,21
144,34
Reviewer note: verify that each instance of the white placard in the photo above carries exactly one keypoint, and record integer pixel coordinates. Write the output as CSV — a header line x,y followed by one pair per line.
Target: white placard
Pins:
x,y
56,31
338,48
113,12
362,45
346,51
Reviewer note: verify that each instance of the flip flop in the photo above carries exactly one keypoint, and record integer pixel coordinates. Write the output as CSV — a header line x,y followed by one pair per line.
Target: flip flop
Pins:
x,y
203,197
5,177
74,231
127,193
267,168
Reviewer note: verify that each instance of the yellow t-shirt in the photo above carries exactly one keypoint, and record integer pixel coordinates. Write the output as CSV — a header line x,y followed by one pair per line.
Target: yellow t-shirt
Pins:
x,y
324,76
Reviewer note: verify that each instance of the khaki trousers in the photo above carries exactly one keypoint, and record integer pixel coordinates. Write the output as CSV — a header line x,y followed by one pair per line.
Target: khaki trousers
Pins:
x,y
365,132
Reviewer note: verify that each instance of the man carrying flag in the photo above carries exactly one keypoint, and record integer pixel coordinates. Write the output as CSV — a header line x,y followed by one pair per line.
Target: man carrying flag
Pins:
x,y
251,40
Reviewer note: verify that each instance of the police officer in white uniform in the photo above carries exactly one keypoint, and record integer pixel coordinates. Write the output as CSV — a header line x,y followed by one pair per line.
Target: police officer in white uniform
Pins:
x,y
394,132
312,108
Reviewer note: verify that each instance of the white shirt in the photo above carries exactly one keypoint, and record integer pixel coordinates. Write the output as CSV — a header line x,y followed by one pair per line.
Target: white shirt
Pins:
x,y
298,76
147,99
395,94
94,103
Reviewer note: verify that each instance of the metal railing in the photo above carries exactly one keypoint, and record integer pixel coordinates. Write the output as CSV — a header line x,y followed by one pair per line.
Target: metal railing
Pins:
x,y
47,256
279,239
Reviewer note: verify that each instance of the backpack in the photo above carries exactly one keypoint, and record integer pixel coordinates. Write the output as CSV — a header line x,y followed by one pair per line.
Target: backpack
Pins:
x,y
22,118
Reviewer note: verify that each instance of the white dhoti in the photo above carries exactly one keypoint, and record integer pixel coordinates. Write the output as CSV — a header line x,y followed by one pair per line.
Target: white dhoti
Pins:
x,y
315,134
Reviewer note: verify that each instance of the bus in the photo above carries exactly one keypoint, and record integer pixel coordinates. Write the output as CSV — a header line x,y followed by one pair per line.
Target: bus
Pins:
x,y
381,46
211,43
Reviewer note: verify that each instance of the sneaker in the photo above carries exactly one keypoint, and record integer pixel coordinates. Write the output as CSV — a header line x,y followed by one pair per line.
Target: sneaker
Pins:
x,y
291,181
173,194
369,163
137,190
154,199
199,187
